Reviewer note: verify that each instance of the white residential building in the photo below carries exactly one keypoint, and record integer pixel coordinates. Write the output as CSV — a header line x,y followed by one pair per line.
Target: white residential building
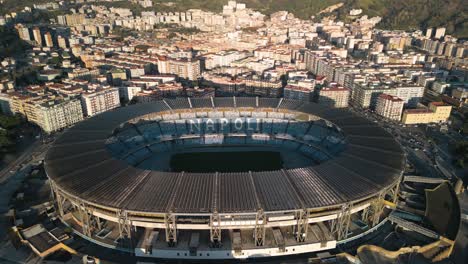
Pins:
x,y
390,107
96,102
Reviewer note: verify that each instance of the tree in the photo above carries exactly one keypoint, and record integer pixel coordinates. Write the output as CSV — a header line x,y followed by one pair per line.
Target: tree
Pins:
x,y
461,153
9,122
5,141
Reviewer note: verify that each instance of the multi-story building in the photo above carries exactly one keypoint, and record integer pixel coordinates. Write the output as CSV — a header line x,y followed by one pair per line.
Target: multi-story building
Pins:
x,y
390,107
277,53
128,92
411,95
95,102
296,92
165,90
460,93
72,19
426,80
23,32
82,73
65,89
184,68
144,3
62,20
439,33
170,89
366,96
428,33
258,86
224,85
116,76
449,48
200,92
146,96
48,39
5,104
55,114
441,111
37,36
437,112
334,96
223,58
439,87
18,101
62,42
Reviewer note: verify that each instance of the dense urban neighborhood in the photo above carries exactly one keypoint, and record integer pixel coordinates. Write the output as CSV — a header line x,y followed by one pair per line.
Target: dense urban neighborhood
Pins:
x,y
332,83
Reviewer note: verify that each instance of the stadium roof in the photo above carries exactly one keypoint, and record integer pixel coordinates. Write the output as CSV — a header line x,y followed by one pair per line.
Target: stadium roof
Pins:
x,y
80,164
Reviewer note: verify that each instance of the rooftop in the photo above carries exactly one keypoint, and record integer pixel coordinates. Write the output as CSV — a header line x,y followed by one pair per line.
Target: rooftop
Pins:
x,y
390,97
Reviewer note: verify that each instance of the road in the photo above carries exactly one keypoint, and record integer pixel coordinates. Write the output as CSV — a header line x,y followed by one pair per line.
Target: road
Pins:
x,y
23,158
9,183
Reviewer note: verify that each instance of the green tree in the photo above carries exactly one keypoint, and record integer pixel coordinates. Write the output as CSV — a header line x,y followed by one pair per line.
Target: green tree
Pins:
x,y
5,141
9,122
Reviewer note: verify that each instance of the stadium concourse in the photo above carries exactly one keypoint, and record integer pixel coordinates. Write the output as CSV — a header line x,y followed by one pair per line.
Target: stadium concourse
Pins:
x,y
114,184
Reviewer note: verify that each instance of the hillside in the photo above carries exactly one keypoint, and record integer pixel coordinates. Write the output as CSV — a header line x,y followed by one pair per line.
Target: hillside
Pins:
x,y
10,44
415,14
396,14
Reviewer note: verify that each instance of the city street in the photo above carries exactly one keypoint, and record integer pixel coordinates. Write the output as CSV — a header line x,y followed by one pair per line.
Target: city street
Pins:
x,y
24,157
11,179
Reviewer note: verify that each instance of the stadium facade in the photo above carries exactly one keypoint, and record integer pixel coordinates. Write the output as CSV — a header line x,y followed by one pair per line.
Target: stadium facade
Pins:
x,y
107,180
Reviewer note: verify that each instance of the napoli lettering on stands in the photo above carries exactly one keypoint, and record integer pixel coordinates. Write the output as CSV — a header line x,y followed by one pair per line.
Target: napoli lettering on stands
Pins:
x,y
247,124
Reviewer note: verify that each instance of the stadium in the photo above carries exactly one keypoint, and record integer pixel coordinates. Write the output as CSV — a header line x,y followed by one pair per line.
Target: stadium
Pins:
x,y
224,178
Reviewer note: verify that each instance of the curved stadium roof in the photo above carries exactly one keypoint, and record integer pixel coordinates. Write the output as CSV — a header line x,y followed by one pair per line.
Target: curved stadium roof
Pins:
x,y
80,164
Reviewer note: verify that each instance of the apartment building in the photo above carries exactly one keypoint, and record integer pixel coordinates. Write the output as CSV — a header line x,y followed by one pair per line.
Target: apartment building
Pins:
x,y
277,53
390,107
23,32
72,19
170,89
200,92
184,68
48,40
296,92
5,104
18,101
95,102
55,114
84,74
257,86
366,96
334,96
37,36
224,85
435,113
223,58
411,95
128,92
165,90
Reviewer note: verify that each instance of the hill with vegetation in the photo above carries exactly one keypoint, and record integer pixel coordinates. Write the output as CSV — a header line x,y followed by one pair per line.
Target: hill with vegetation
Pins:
x,y
415,14
396,14
10,44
